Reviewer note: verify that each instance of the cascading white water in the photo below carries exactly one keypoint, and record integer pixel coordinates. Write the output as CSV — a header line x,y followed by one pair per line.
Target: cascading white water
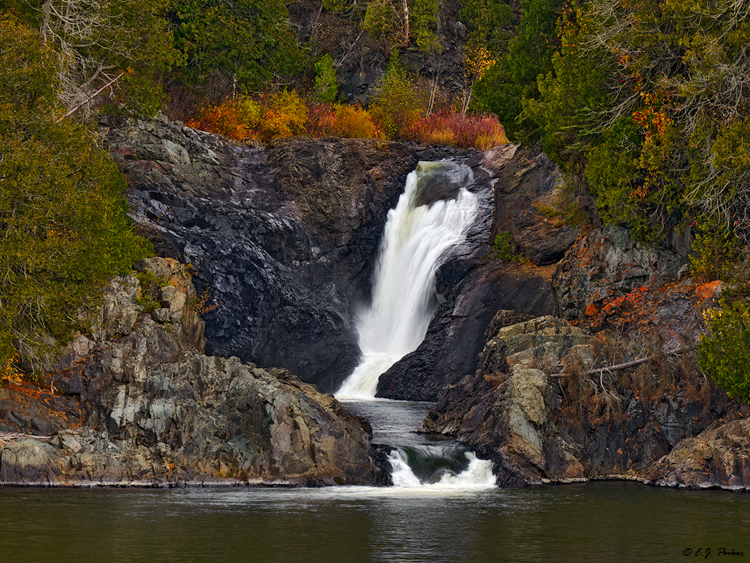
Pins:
x,y
477,475
416,241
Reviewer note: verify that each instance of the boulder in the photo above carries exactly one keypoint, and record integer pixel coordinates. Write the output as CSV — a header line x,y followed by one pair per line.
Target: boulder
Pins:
x,y
28,462
715,458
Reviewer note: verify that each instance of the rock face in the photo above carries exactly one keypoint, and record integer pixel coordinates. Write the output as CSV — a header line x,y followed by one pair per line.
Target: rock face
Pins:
x,y
282,239
528,193
542,422
159,411
454,338
362,58
539,407
718,457
606,264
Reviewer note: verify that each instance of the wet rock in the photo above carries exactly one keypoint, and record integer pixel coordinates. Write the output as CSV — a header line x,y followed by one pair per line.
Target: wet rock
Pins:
x,y
432,188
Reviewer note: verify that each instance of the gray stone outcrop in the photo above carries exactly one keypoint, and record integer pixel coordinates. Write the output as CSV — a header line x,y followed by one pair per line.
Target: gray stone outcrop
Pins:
x,y
159,411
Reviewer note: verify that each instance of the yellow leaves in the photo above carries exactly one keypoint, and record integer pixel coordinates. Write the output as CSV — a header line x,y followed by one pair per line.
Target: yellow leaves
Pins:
x,y
9,374
478,61
282,114
711,314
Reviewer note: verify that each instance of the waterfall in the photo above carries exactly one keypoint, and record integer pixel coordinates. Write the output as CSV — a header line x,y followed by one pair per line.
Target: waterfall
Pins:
x,y
431,218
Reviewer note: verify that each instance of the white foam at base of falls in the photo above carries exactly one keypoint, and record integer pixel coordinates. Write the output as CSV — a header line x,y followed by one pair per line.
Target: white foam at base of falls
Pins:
x,y
478,475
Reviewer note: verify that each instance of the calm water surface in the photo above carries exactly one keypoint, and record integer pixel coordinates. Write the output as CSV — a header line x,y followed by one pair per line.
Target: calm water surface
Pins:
x,y
588,522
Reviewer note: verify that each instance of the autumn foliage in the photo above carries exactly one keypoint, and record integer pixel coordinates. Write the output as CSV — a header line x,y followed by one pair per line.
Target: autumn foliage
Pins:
x,y
455,129
337,120
285,114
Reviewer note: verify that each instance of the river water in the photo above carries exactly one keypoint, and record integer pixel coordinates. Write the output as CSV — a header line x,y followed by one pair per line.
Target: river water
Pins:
x,y
584,522
455,521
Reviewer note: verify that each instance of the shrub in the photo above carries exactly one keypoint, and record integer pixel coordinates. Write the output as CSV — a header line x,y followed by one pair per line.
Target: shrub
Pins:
x,y
280,115
320,121
451,128
503,247
724,354
715,250
62,208
396,114
351,121
326,86
341,121
223,119
285,115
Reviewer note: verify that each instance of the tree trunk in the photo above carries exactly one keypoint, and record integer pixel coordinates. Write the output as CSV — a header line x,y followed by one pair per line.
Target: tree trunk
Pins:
x,y
406,24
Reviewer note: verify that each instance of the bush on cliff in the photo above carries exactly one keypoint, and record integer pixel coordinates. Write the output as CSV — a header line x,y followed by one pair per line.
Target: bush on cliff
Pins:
x,y
62,209
724,353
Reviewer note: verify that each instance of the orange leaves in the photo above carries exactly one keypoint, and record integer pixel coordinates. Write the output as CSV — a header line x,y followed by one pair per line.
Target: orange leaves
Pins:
x,y
591,310
342,121
478,61
708,290
225,119
280,115
653,122
9,373
285,114
450,128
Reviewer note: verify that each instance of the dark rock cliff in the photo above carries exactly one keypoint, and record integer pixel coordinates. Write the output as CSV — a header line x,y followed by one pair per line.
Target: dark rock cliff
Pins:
x,y
284,239
280,238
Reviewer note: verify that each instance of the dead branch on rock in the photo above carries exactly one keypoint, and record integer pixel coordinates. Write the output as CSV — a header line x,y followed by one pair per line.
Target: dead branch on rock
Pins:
x,y
637,362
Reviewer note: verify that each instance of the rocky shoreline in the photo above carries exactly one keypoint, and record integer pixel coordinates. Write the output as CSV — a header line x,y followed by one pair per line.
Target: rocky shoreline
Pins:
x,y
156,411
575,364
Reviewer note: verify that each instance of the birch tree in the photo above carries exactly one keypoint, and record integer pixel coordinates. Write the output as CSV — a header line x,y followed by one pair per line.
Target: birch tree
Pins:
x,y
122,44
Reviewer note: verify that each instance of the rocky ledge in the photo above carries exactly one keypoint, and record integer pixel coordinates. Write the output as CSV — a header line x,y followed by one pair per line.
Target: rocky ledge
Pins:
x,y
154,410
614,394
